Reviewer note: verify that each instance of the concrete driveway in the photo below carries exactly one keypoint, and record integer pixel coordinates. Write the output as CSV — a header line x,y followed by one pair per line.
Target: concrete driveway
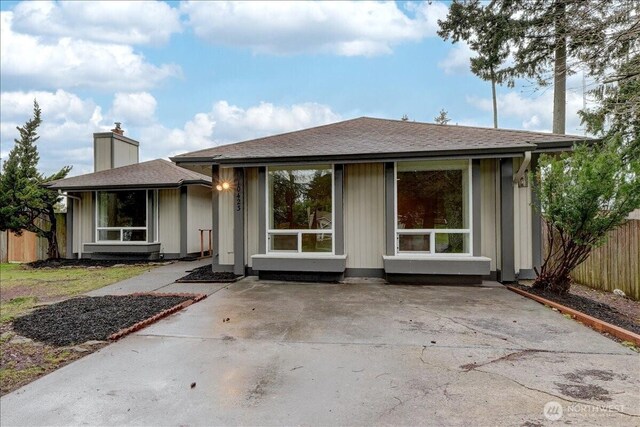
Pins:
x,y
352,354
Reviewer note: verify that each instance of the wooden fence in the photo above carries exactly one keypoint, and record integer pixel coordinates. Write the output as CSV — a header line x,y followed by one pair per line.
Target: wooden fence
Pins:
x,y
616,264
28,247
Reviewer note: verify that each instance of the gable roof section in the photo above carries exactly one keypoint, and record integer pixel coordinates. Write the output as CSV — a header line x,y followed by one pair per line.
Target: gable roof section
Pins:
x,y
370,138
152,174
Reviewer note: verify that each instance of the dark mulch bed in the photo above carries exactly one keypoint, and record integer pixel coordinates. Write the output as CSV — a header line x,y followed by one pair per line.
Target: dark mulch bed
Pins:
x,y
206,274
78,320
588,306
57,263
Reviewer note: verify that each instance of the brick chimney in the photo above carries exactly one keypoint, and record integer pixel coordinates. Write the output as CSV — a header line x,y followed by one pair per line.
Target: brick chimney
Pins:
x,y
113,149
118,129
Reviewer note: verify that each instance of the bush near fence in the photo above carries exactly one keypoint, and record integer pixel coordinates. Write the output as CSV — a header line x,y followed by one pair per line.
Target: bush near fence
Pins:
x,y
614,265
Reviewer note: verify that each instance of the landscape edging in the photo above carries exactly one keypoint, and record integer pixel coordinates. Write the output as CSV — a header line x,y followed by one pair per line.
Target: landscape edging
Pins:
x,y
146,322
593,322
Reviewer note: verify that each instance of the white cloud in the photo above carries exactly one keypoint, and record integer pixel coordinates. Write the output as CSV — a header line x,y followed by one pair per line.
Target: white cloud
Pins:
x,y
123,22
343,28
534,112
66,131
136,108
457,59
70,63
227,123
69,121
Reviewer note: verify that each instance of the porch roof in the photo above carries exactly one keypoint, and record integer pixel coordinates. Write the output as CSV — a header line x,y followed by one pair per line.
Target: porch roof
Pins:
x,y
371,138
158,173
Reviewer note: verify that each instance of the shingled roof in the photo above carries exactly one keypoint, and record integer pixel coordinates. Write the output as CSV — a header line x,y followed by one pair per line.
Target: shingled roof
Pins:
x,y
372,138
152,174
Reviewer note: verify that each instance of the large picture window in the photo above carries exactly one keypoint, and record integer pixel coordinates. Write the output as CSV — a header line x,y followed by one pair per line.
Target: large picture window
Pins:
x,y
433,207
122,216
300,209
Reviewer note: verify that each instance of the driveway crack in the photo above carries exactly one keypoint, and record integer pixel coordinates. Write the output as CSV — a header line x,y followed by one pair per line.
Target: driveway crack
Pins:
x,y
557,396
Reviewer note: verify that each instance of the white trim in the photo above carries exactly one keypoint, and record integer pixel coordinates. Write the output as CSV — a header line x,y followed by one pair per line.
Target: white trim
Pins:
x,y
299,232
433,231
122,229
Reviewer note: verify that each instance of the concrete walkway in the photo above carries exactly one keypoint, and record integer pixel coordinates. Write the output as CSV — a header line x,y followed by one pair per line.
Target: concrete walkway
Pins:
x,y
161,279
350,354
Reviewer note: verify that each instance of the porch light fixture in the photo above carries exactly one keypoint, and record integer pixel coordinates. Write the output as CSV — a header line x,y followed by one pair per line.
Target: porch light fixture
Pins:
x,y
224,185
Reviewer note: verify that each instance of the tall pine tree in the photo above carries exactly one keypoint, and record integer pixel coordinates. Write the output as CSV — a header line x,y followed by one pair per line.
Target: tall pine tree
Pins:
x,y
24,203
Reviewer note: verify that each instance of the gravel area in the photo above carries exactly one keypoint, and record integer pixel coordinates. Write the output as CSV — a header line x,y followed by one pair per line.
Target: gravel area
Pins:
x,y
591,306
78,320
206,274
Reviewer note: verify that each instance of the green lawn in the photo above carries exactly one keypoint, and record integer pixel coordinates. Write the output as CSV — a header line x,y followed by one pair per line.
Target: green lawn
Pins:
x,y
22,288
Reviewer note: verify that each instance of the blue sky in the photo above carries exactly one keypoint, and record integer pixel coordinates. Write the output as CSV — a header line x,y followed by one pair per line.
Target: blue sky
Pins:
x,y
183,76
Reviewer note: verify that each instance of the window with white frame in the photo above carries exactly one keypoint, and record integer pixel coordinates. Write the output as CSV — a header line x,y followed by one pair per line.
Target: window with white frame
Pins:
x,y
433,207
121,216
300,213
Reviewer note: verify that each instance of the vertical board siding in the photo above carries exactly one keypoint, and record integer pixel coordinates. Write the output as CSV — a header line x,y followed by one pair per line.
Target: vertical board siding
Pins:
x,y
489,213
616,264
251,213
102,154
168,221
124,153
522,224
198,217
364,226
226,219
88,216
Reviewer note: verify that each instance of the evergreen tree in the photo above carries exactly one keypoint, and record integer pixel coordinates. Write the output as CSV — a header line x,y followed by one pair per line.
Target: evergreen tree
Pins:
x,y
442,118
487,33
24,203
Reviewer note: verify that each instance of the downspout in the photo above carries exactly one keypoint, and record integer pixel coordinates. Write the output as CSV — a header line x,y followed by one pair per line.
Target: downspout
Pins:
x,y
79,199
519,177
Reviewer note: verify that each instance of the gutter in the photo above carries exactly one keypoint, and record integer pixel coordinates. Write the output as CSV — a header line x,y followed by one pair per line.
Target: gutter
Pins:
x,y
359,158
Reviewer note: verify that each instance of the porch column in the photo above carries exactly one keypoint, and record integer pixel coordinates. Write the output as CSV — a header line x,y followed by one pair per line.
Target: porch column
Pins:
x,y
507,271
389,207
69,228
238,222
476,207
215,217
536,220
262,210
183,221
339,209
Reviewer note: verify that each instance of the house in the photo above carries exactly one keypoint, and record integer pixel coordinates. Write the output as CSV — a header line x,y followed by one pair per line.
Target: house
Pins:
x,y
126,209
412,202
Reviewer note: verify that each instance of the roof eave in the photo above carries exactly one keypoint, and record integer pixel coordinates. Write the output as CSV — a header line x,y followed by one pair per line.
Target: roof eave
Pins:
x,y
130,186
483,152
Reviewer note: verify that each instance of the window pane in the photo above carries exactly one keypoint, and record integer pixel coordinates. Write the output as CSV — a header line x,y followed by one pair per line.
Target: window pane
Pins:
x,y
452,243
414,242
134,235
321,242
300,198
283,242
122,208
109,235
430,199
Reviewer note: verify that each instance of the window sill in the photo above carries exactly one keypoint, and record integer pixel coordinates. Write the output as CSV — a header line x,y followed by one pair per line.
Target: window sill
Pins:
x,y
437,264
121,247
299,262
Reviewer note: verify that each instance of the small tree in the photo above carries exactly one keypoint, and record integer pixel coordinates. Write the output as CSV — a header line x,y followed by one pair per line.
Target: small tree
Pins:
x,y
442,118
24,203
583,195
